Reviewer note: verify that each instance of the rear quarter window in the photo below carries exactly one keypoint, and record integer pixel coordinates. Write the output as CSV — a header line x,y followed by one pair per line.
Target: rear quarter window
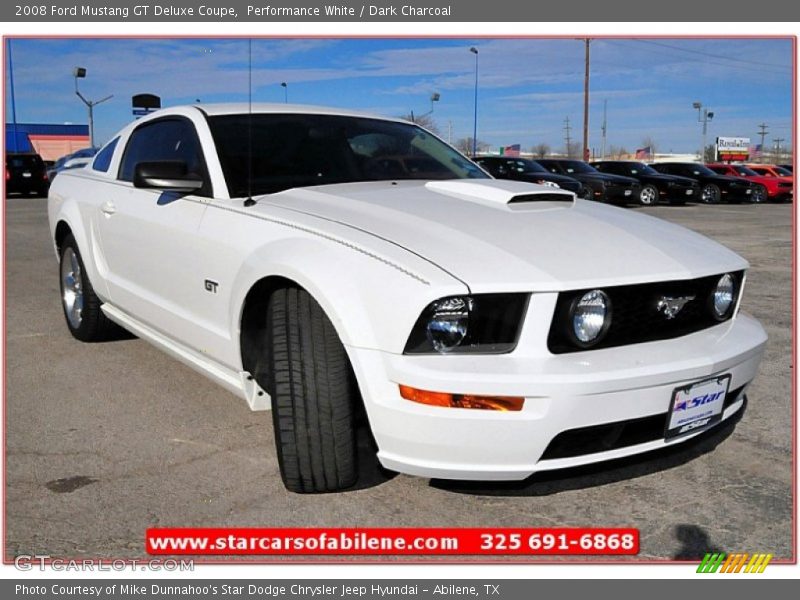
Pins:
x,y
102,161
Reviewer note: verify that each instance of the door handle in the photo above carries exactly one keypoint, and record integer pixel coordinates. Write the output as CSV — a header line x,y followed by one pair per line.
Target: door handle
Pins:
x,y
108,208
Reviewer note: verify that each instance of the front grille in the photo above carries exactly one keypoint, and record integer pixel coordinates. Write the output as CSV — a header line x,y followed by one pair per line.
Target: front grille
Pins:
x,y
634,314
611,436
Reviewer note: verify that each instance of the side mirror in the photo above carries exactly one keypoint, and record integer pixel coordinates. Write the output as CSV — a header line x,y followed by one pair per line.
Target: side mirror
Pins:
x,y
167,175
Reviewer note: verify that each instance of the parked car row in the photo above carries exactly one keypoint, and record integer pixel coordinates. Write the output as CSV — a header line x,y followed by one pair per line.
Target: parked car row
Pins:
x,y
622,181
79,158
27,173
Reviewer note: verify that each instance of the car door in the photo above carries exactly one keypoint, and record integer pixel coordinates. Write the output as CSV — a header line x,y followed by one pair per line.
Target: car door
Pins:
x,y
149,238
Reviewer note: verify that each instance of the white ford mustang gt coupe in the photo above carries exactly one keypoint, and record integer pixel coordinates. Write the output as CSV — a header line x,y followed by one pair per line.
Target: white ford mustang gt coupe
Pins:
x,y
328,264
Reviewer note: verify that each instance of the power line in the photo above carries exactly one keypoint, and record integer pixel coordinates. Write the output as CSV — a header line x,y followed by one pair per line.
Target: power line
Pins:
x,y
567,130
781,71
711,55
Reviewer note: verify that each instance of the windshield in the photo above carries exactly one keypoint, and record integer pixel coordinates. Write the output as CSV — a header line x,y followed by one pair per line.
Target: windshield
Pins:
x,y
699,170
522,165
744,171
576,166
783,172
299,150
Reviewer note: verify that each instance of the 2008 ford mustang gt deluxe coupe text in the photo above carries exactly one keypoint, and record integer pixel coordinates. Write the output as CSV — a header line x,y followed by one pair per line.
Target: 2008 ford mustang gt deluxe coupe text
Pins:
x,y
328,264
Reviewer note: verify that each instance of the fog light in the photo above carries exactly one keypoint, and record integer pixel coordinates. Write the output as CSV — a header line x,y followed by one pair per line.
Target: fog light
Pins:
x,y
502,403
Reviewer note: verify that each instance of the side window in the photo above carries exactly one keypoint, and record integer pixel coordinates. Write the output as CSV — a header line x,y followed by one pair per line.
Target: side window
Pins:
x,y
167,139
103,159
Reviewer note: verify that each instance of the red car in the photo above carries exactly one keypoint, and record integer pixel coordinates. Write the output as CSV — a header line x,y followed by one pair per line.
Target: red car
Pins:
x,y
783,177
770,188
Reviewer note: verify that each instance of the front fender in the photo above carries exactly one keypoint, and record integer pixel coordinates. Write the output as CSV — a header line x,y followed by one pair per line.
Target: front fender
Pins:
x,y
372,302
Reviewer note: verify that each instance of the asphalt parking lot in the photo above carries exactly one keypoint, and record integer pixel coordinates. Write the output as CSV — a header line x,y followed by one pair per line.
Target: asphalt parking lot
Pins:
x,y
106,440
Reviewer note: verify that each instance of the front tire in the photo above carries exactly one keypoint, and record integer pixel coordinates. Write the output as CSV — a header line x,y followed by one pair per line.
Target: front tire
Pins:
x,y
586,193
759,195
313,395
85,319
710,194
649,195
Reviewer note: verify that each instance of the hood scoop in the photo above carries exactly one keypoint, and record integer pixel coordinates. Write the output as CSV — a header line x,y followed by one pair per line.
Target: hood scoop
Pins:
x,y
500,191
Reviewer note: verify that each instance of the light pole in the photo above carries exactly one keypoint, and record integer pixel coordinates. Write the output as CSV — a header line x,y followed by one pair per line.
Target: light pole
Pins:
x,y
435,96
80,73
474,50
285,87
703,116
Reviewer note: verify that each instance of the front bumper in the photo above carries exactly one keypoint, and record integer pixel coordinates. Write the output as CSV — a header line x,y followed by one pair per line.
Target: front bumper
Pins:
x,y
737,194
621,193
562,393
681,193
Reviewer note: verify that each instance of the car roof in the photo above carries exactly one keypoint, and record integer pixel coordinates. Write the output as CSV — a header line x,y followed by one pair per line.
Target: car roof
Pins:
x,y
236,108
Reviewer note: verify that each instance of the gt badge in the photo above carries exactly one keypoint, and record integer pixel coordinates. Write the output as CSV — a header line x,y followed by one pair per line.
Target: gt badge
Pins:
x,y
211,286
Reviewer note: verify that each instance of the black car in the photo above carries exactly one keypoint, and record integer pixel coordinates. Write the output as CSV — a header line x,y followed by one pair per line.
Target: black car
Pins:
x,y
522,169
26,174
713,187
595,185
655,186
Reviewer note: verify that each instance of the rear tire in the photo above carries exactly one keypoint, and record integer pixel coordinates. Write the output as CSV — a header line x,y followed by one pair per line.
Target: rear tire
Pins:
x,y
586,193
313,395
85,319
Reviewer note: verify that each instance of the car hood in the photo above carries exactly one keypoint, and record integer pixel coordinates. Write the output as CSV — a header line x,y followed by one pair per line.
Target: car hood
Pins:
x,y
729,179
609,177
675,178
468,229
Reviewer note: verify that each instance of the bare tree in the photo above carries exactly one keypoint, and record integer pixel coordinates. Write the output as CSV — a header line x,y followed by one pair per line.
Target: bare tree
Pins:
x,y
573,150
617,152
464,145
426,121
540,150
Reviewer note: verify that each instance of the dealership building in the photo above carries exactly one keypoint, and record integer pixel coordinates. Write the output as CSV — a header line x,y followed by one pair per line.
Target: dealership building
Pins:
x,y
51,141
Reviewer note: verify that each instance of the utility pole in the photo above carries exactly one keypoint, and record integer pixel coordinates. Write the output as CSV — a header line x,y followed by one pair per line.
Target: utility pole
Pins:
x,y
778,148
762,133
604,129
586,105
567,130
450,132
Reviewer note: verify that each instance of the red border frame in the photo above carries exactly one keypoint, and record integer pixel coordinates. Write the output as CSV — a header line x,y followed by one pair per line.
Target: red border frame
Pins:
x,y
401,560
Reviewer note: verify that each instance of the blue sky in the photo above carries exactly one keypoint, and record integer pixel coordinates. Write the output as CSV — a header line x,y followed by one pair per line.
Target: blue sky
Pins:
x,y
526,86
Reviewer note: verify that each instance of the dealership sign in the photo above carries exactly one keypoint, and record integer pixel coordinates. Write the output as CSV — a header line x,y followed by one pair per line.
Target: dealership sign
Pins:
x,y
733,148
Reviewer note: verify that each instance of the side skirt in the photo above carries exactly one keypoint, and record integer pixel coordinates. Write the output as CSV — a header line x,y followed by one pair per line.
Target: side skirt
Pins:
x,y
240,383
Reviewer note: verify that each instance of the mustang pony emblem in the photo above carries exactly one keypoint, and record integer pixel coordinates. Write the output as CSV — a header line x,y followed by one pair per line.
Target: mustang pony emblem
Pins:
x,y
670,307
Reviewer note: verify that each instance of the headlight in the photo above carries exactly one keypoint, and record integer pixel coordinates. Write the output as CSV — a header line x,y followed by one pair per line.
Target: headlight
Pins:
x,y
551,184
591,316
481,323
448,325
724,297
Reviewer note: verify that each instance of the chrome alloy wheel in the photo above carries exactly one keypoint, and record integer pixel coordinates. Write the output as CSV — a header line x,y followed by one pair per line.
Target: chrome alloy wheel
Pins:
x,y
648,196
72,288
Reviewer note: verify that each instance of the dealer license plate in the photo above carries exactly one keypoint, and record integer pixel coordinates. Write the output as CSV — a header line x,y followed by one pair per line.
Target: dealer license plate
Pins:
x,y
627,192
689,192
696,407
26,174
